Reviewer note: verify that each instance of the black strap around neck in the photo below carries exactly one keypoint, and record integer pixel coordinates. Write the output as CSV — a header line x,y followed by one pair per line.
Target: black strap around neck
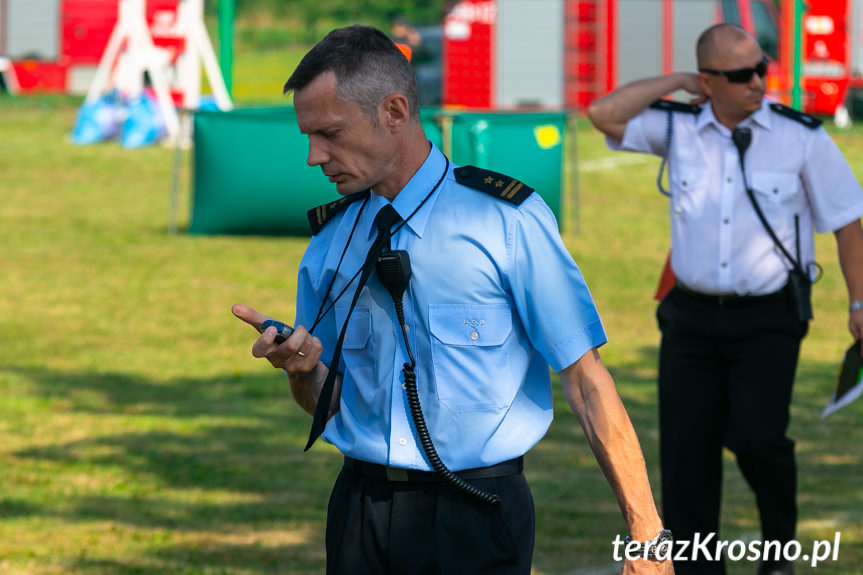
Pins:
x,y
384,220
742,138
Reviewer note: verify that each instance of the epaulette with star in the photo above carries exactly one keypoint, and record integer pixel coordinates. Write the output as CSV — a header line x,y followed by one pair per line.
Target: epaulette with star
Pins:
x,y
498,185
810,122
320,215
672,106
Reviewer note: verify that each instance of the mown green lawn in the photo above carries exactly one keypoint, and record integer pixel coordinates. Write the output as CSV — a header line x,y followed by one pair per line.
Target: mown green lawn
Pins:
x,y
139,436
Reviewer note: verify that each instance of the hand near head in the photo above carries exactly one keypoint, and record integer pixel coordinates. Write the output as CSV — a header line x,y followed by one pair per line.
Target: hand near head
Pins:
x,y
297,355
691,84
611,113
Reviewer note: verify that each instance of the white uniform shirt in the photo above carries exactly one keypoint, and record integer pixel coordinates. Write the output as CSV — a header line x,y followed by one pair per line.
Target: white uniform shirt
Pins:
x,y
719,246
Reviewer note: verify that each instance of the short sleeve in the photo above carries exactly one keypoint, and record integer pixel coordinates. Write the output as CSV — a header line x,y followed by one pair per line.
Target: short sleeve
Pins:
x,y
309,300
549,292
646,133
833,190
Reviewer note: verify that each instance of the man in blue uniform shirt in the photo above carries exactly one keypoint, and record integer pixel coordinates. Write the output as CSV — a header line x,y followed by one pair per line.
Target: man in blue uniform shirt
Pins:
x,y
434,407
732,326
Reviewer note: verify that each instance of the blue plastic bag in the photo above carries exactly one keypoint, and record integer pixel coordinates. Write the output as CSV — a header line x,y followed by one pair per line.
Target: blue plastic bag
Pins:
x,y
144,123
98,120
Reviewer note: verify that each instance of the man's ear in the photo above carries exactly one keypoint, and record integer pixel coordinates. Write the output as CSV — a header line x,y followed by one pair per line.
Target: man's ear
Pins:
x,y
395,112
704,82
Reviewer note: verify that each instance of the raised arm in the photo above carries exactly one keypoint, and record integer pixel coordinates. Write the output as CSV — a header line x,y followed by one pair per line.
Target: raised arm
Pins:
x,y
611,112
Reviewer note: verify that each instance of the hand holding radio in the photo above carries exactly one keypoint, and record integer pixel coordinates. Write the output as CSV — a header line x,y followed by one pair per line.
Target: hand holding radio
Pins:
x,y
283,331
294,350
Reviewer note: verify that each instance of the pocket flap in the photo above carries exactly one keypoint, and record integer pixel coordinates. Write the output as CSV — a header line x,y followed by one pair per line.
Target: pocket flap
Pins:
x,y
776,186
689,178
470,325
359,328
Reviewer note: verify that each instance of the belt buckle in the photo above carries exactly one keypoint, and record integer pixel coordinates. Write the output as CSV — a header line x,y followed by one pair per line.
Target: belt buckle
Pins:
x,y
397,474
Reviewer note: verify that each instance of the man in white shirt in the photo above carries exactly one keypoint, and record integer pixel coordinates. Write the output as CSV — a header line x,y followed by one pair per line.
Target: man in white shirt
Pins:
x,y
732,325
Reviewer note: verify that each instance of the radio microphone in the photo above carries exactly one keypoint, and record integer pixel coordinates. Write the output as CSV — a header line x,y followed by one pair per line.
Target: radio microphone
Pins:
x,y
741,137
393,268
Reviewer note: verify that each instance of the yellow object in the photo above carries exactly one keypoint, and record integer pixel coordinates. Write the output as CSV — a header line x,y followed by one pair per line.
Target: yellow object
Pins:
x,y
547,136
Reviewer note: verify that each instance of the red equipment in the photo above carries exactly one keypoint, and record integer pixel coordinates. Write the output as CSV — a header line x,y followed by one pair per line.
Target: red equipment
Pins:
x,y
826,56
593,46
68,61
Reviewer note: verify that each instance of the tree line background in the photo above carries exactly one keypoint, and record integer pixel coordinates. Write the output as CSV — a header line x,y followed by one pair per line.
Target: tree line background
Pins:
x,y
268,24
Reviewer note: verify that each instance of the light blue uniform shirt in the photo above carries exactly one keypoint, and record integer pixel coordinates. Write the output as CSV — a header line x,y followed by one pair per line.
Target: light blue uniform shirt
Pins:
x,y
494,299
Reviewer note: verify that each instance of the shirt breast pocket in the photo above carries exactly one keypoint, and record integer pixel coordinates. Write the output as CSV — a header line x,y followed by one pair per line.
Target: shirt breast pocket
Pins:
x,y
688,191
471,361
779,195
775,188
357,349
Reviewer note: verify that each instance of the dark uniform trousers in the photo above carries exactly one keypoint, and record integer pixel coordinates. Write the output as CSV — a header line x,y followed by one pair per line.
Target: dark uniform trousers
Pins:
x,y
726,371
380,527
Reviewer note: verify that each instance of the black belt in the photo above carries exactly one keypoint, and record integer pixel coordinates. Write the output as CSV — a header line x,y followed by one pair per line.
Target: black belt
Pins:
x,y
386,473
732,299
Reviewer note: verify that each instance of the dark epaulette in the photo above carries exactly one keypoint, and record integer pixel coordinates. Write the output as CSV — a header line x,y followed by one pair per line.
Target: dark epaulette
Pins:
x,y
672,106
497,185
810,122
322,214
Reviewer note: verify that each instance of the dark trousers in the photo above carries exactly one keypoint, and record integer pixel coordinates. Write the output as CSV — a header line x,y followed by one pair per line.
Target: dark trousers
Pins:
x,y
378,527
726,370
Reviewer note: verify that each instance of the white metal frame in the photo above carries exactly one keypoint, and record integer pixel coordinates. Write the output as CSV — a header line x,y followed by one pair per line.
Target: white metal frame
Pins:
x,y
7,70
131,52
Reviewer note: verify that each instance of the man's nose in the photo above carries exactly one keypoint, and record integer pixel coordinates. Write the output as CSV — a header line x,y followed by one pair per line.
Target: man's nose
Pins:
x,y
756,81
317,153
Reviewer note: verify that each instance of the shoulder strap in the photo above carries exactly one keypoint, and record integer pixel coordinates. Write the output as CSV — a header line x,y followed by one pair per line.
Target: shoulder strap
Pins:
x,y
493,183
320,215
672,106
810,122
795,263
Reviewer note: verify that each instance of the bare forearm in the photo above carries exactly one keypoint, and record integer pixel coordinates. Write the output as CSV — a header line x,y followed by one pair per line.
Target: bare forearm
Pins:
x,y
849,243
617,450
594,400
306,389
611,112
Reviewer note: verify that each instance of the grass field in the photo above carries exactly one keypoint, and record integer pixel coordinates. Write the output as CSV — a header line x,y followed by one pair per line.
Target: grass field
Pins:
x,y
139,436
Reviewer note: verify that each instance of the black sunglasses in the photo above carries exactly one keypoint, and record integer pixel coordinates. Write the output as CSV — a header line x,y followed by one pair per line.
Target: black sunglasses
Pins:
x,y
741,75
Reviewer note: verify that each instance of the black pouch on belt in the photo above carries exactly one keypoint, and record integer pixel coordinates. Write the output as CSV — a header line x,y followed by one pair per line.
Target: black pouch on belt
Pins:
x,y
799,283
800,289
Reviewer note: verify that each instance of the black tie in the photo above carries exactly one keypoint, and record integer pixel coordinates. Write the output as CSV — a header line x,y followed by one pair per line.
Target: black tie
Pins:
x,y
384,220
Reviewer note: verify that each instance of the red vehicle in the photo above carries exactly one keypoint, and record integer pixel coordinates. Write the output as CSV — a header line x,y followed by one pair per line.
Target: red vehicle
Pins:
x,y
827,71
566,53
55,45
518,53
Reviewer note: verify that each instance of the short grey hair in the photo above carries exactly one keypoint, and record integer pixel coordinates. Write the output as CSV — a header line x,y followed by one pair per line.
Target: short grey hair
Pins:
x,y
367,65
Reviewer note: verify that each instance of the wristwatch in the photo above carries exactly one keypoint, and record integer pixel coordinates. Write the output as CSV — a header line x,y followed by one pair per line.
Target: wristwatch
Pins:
x,y
649,549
